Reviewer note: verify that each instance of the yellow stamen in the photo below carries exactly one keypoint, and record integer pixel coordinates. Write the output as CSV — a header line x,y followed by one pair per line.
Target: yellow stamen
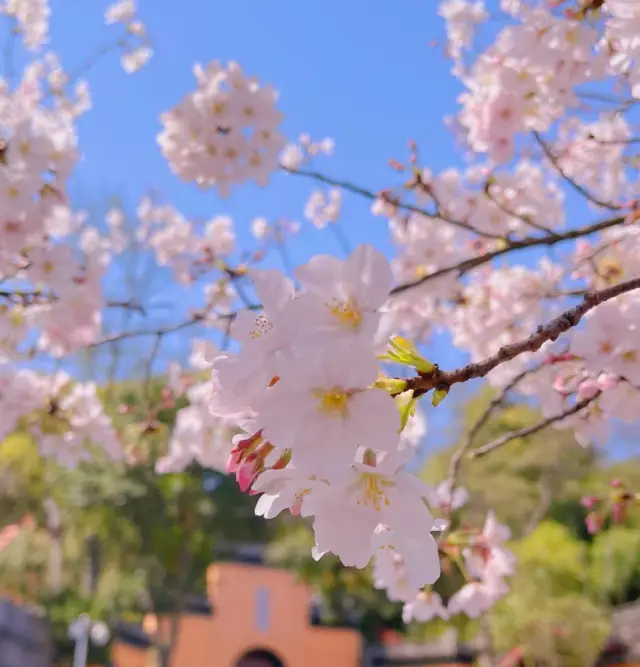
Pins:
x,y
346,312
333,402
606,347
372,490
260,327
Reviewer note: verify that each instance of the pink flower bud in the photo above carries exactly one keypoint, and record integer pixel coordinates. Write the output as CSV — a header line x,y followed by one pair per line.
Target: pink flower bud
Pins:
x,y
589,502
594,522
242,447
247,471
588,389
607,381
619,512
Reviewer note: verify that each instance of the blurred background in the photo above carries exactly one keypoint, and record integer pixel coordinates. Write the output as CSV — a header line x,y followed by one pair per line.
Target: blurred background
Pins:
x,y
162,559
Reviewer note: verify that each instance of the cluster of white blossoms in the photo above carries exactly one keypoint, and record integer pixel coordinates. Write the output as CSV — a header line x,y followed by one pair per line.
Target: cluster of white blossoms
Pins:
x,y
622,40
136,46
32,19
188,247
526,79
321,435
62,415
225,132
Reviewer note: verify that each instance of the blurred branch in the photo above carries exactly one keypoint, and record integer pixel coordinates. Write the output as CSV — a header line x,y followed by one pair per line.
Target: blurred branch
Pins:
x,y
530,242
127,305
534,428
545,498
7,55
162,331
526,219
497,402
370,194
575,185
438,379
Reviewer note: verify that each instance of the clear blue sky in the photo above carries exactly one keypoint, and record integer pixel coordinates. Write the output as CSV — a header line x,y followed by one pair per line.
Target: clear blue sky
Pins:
x,y
364,72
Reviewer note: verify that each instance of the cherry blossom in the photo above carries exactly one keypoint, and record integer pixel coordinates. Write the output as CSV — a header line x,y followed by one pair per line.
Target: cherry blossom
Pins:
x,y
424,607
347,514
225,132
324,410
342,299
316,395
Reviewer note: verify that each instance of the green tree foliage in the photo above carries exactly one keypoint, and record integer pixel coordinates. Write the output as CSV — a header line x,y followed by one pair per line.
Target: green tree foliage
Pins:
x,y
549,612
615,565
523,479
123,540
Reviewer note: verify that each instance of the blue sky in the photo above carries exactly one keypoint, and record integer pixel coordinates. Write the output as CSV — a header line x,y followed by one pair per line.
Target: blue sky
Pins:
x,y
364,72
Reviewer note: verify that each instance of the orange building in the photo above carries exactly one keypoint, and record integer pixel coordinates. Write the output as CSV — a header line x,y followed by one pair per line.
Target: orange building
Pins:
x,y
258,617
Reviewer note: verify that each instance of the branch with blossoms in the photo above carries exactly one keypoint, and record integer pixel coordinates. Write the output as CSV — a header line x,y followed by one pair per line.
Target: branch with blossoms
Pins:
x,y
322,424
613,509
534,428
444,380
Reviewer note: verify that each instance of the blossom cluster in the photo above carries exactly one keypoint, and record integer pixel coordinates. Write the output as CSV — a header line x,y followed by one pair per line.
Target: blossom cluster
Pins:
x,y
303,414
615,508
64,417
225,132
321,436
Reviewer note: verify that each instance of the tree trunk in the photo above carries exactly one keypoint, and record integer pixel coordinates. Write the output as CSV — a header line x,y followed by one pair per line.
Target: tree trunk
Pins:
x,y
54,528
165,648
486,654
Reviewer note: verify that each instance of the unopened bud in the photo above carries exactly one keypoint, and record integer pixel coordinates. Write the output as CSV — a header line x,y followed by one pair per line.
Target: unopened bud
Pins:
x,y
283,461
393,386
403,351
593,522
369,458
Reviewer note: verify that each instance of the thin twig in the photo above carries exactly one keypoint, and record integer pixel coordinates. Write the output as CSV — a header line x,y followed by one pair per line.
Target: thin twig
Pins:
x,y
341,237
575,185
523,218
162,331
369,194
530,242
614,142
534,428
443,380
496,402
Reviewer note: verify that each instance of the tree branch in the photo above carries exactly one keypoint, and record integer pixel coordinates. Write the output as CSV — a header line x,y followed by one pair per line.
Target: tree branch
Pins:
x,y
575,185
529,242
438,379
370,194
530,430
456,460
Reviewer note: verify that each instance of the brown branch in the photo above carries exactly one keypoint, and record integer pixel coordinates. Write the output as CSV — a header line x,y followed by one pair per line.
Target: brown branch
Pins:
x,y
438,379
526,219
616,142
456,460
574,184
162,331
534,428
529,242
370,194
545,499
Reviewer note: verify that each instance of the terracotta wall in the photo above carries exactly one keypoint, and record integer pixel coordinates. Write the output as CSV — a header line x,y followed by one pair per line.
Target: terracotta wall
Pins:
x,y
255,608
